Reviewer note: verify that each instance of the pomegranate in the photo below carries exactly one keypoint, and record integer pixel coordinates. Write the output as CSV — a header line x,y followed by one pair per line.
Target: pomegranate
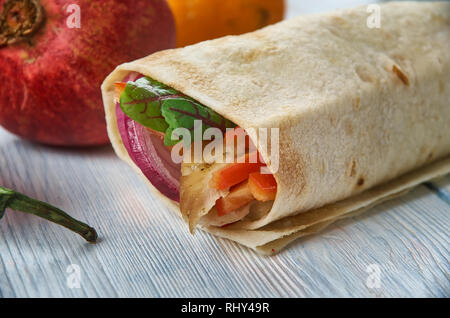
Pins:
x,y
54,55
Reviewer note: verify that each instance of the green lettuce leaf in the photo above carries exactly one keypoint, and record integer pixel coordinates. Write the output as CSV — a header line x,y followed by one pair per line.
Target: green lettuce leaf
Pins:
x,y
141,101
161,108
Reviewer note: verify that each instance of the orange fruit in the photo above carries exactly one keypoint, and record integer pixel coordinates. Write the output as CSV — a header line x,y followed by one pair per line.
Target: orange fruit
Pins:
x,y
200,20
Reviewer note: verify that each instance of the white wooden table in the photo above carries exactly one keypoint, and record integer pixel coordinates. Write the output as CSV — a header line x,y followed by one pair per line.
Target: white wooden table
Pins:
x,y
146,251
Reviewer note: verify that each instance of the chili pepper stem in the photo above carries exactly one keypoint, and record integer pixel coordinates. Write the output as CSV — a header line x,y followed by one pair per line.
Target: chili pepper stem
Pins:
x,y
19,202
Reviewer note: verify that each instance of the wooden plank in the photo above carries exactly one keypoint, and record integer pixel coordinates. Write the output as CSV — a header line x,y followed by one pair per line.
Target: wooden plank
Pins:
x,y
145,250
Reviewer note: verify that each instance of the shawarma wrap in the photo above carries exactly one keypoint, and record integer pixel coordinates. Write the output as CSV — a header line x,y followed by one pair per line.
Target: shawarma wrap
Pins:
x,y
362,114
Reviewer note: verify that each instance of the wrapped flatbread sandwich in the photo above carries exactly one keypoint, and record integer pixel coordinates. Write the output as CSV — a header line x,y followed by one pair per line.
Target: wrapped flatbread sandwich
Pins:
x,y
318,118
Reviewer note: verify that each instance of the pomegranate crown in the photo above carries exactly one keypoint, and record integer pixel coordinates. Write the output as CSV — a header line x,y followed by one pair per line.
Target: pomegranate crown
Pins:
x,y
19,20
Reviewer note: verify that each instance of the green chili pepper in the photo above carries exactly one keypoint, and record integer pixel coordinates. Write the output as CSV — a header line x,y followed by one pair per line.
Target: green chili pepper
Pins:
x,y
19,202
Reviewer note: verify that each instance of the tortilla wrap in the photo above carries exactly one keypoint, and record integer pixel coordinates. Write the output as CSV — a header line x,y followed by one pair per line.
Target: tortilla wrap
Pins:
x,y
363,112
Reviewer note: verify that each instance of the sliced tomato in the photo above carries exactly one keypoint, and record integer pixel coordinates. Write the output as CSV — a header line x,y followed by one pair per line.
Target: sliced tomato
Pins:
x,y
238,197
235,173
119,88
262,186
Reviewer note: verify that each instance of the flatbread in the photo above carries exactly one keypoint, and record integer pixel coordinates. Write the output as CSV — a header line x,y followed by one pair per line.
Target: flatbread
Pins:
x,y
363,112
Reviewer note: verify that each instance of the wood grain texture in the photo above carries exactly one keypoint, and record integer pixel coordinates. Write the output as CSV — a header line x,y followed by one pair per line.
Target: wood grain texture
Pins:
x,y
146,251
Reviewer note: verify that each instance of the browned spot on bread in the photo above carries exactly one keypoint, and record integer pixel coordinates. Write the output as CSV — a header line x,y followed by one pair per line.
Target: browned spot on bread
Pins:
x,y
348,126
356,103
365,74
430,156
441,19
250,55
385,34
189,72
335,25
331,120
289,153
323,168
402,76
400,59
353,170
441,86
360,182
336,20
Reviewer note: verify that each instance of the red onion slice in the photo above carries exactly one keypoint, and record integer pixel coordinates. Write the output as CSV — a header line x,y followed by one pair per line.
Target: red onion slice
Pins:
x,y
149,153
